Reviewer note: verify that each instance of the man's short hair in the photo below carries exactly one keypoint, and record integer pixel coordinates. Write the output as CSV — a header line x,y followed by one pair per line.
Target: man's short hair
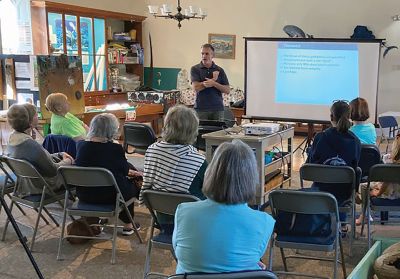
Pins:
x,y
55,101
18,118
232,175
210,46
181,125
359,109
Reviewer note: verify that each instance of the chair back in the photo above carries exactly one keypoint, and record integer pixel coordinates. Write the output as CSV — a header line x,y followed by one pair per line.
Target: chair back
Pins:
x,y
200,142
23,168
370,156
256,274
229,117
385,173
327,174
388,122
303,202
138,135
9,179
59,143
87,177
165,202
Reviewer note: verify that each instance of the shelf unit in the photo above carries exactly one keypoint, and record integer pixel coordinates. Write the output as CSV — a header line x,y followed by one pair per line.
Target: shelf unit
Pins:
x,y
260,145
42,40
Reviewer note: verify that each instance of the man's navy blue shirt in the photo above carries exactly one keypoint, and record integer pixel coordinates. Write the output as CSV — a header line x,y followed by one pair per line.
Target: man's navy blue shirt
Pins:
x,y
208,99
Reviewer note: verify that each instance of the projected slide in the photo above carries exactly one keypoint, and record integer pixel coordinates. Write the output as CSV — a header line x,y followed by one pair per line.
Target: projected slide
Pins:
x,y
312,73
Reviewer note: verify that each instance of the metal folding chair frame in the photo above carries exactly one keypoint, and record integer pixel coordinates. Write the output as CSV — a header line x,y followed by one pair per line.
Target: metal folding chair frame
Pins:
x,y
8,185
335,174
74,176
386,122
248,274
48,196
307,203
166,203
146,131
379,173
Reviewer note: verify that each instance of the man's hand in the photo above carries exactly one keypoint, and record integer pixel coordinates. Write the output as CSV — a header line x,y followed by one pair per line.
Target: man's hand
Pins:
x,y
209,82
215,75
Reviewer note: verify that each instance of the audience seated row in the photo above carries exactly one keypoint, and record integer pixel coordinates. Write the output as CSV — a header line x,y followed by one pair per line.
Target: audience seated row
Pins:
x,y
225,187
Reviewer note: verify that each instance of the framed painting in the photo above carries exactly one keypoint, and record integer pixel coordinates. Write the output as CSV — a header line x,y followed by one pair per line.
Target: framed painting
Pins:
x,y
223,44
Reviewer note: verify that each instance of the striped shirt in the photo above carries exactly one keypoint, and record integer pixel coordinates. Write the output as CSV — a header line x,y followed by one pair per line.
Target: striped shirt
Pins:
x,y
170,167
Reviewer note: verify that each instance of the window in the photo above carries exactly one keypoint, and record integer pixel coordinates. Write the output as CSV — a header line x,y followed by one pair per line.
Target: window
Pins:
x,y
84,36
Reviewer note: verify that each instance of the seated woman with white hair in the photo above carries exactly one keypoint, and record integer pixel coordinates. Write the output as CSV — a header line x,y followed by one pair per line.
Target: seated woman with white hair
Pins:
x,y
222,233
22,118
99,150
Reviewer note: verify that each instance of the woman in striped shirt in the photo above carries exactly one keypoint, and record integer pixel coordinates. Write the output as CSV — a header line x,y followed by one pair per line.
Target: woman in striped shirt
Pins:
x,y
173,164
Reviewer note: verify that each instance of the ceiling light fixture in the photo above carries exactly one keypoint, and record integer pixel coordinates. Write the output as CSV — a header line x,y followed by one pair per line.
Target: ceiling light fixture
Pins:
x,y
166,12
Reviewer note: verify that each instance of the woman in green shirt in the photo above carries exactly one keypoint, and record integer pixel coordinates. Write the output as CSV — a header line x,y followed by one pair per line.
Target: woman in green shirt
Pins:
x,y
62,121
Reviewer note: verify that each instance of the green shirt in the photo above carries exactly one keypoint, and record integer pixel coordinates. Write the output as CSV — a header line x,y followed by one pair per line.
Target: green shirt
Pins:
x,y
67,125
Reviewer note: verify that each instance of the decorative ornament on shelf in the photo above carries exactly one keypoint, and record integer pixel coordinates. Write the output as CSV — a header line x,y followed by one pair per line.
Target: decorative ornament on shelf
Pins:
x,y
166,12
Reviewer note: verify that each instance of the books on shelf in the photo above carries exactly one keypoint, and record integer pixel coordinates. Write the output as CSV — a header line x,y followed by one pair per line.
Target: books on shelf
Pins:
x,y
118,54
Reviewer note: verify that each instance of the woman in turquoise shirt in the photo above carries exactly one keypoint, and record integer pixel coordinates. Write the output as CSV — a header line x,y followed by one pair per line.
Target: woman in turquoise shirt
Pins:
x,y
222,233
359,114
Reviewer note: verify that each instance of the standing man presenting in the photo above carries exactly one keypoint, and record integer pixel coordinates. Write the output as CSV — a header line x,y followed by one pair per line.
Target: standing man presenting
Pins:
x,y
210,82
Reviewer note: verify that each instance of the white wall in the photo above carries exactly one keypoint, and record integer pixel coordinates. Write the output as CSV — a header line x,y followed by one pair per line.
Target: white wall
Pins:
x,y
322,18
135,7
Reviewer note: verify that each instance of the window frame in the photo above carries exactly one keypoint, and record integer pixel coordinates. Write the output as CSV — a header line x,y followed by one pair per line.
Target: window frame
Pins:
x,y
78,18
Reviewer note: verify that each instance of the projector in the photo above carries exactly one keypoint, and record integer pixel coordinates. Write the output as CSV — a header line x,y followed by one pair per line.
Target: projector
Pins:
x,y
258,129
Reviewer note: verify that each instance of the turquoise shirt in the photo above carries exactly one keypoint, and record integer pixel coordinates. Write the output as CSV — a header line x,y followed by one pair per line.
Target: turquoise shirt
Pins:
x,y
365,132
213,237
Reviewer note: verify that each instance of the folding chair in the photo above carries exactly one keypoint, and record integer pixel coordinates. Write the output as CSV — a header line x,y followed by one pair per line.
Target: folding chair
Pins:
x,y
389,173
138,135
7,183
205,129
388,122
370,156
251,274
92,177
165,203
25,170
299,202
337,175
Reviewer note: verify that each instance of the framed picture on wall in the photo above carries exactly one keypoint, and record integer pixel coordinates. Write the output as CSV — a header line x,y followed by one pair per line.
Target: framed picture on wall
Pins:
x,y
223,44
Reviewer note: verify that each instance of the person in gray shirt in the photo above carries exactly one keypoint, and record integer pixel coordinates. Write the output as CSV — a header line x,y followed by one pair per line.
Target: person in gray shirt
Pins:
x,y
22,118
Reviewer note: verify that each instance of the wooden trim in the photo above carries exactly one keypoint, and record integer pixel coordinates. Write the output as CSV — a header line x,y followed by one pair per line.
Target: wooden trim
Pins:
x,y
64,33
1,82
40,37
48,34
94,57
84,11
108,79
10,76
101,93
78,27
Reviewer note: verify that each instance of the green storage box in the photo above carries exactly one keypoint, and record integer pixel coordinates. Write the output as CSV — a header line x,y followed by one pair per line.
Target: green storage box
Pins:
x,y
365,268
